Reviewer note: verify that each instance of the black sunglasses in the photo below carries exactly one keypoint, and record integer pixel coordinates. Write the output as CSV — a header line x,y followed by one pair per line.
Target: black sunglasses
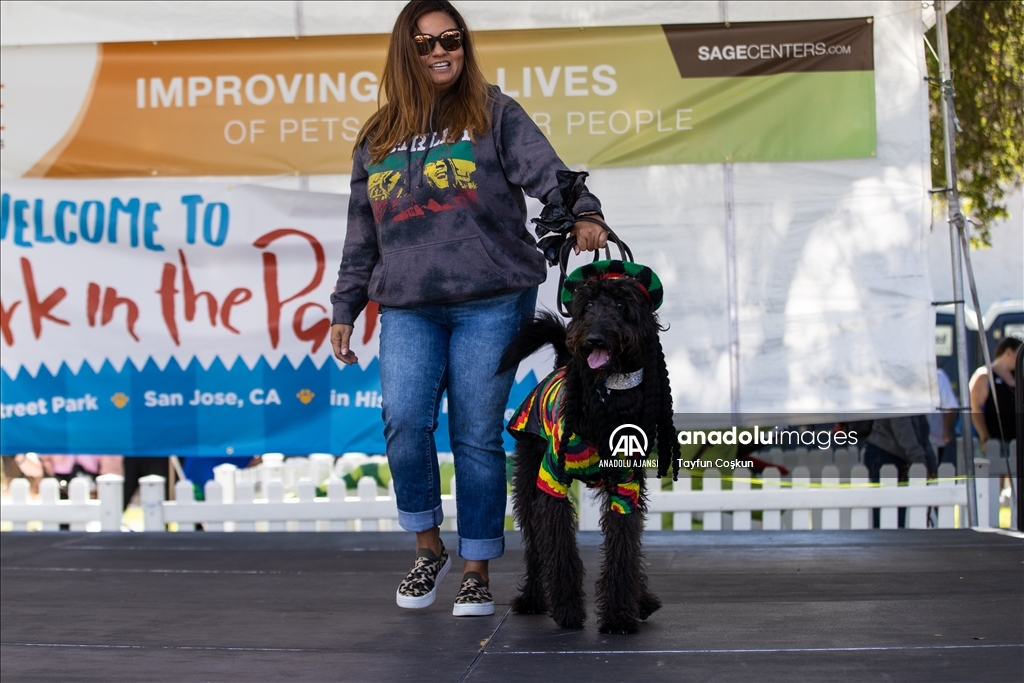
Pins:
x,y
451,40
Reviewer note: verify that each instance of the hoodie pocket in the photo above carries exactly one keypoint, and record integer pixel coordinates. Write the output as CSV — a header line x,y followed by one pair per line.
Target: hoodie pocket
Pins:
x,y
443,272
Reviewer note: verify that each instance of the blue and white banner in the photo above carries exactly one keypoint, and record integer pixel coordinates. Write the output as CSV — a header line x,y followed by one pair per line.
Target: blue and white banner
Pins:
x,y
184,318
155,318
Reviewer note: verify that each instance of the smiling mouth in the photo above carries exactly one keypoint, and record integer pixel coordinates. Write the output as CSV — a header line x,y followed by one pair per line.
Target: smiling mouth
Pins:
x,y
441,65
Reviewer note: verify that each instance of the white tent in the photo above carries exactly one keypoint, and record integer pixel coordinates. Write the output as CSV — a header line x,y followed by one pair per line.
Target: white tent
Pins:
x,y
829,308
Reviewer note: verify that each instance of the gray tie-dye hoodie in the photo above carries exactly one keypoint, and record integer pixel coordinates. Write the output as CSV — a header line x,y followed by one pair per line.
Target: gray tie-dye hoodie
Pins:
x,y
438,222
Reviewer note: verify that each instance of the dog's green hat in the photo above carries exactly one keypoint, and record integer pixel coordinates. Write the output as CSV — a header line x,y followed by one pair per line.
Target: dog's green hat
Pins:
x,y
644,277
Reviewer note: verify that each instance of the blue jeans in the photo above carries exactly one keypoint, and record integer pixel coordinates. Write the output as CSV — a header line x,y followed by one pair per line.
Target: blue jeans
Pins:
x,y
424,351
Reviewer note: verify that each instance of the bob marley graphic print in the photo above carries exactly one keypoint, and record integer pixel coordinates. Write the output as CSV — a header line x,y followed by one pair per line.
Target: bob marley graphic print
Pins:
x,y
447,172
442,222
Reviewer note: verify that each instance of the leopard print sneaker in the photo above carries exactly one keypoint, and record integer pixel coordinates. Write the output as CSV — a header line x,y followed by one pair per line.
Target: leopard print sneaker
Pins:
x,y
474,598
419,588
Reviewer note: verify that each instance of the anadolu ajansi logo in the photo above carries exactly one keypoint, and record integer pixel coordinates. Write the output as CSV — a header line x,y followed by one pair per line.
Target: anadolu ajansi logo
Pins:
x,y
628,442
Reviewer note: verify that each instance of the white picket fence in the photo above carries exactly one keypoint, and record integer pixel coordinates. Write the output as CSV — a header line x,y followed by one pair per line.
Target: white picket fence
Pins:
x,y
826,503
282,496
79,511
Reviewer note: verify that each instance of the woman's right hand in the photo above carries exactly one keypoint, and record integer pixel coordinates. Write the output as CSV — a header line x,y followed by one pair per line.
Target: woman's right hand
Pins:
x,y
589,236
340,337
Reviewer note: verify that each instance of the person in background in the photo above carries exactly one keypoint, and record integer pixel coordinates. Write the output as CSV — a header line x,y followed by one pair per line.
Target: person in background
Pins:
x,y
899,441
437,237
64,468
135,468
27,465
942,422
983,409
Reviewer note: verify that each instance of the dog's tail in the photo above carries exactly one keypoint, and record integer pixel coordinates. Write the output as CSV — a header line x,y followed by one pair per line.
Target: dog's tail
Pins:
x,y
546,328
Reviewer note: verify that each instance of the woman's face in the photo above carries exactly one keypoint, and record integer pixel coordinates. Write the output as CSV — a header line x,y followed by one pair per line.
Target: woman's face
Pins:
x,y
444,67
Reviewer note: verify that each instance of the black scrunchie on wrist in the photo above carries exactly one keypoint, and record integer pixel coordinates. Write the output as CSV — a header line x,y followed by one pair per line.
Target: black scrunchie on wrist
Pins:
x,y
557,219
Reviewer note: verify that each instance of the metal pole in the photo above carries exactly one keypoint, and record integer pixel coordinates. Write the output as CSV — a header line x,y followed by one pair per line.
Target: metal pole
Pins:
x,y
957,223
1019,368
732,292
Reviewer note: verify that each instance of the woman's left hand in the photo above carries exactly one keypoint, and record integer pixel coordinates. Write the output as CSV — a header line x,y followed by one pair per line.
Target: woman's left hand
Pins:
x,y
589,236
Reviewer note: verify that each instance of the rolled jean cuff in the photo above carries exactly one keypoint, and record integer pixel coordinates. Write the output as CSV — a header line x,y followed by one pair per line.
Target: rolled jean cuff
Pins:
x,y
481,549
420,521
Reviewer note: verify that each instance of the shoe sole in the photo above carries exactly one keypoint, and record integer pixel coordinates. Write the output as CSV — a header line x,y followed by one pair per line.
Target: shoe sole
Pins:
x,y
473,609
421,601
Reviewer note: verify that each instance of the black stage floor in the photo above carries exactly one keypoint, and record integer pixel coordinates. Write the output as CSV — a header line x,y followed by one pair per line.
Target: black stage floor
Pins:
x,y
739,606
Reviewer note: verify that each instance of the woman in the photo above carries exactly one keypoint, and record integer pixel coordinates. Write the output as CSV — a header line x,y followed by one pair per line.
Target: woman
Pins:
x,y
437,236
983,411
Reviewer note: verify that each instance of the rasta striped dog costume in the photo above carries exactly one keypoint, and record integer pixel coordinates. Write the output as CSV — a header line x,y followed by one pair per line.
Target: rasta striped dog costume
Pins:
x,y
543,414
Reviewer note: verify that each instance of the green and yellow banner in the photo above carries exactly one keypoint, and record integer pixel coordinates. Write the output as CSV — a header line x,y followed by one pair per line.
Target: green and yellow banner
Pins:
x,y
641,95
606,97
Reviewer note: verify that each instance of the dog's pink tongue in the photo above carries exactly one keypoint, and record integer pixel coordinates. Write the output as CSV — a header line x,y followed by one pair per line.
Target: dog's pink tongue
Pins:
x,y
597,358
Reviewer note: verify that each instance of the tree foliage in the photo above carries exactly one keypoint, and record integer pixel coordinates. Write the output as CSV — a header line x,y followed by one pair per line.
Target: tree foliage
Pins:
x,y
986,46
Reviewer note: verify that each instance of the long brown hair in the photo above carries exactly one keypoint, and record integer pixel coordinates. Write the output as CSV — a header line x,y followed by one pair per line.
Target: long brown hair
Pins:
x,y
411,104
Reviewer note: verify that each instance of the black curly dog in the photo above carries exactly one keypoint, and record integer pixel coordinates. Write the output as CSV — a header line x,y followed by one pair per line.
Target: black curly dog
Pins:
x,y
613,318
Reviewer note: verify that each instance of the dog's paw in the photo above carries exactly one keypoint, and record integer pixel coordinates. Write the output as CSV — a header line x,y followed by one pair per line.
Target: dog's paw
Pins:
x,y
572,624
524,604
619,624
569,618
649,604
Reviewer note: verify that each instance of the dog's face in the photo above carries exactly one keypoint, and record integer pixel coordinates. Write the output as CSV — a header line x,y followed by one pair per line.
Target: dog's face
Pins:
x,y
612,323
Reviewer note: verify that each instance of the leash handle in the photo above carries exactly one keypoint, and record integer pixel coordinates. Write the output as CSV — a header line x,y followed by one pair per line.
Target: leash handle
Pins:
x,y
625,254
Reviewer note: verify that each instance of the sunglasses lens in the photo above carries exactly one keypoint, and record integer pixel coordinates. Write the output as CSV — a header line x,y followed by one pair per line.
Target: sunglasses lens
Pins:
x,y
451,40
424,44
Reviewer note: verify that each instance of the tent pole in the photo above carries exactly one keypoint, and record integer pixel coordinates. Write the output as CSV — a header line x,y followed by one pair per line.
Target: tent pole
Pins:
x,y
957,224
1019,369
732,292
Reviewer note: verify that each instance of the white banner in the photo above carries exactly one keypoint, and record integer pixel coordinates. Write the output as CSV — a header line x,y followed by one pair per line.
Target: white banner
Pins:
x,y
102,270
